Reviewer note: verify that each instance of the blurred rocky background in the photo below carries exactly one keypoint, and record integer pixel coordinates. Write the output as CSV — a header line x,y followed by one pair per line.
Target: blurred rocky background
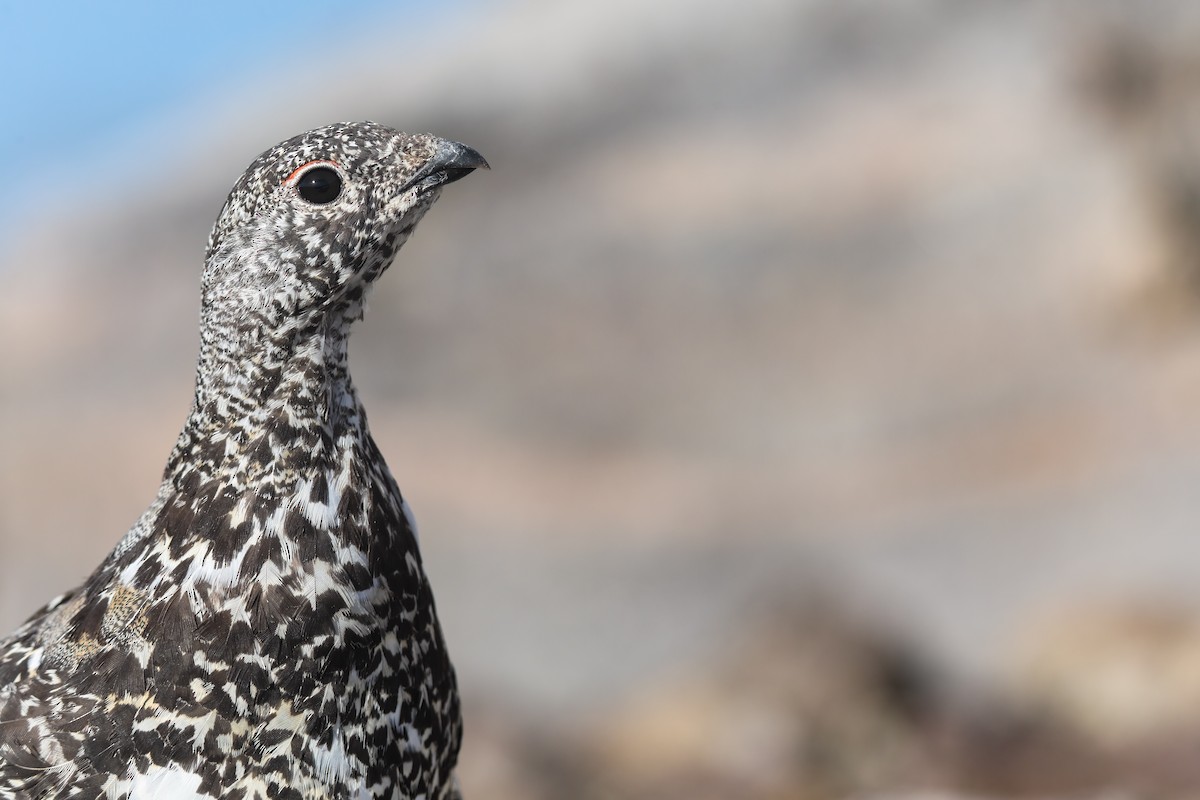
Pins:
x,y
807,405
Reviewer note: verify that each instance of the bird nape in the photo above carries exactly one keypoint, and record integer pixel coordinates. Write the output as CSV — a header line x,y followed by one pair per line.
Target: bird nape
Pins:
x,y
265,629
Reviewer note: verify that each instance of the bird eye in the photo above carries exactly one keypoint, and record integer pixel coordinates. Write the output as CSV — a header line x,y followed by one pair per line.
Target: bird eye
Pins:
x,y
320,185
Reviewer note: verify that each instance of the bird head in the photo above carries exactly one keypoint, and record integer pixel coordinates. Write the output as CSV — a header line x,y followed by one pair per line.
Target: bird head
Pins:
x,y
315,219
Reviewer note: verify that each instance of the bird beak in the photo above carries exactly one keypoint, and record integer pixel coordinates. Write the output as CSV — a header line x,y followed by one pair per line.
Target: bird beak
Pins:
x,y
456,161
451,162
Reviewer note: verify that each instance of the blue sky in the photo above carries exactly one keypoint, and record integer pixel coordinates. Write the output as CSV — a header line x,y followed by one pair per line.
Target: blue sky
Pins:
x,y
79,74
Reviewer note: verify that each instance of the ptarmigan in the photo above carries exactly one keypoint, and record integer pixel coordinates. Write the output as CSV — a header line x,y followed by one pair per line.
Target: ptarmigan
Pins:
x,y
265,630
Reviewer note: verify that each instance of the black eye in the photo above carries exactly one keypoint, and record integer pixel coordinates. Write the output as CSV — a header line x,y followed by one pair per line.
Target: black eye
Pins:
x,y
320,185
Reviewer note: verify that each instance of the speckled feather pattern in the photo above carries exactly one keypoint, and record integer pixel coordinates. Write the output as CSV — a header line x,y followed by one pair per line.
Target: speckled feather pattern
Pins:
x,y
265,629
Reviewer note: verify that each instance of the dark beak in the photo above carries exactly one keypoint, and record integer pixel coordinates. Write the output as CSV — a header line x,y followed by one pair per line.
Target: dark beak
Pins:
x,y
456,161
451,162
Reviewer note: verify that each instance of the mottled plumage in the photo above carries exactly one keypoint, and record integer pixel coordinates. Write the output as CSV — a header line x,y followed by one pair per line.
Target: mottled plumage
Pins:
x,y
265,630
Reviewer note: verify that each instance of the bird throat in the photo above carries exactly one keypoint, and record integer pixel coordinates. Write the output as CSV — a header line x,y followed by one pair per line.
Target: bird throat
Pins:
x,y
269,404
276,424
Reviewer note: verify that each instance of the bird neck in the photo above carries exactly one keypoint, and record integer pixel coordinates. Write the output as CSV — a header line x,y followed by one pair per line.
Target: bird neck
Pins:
x,y
269,403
